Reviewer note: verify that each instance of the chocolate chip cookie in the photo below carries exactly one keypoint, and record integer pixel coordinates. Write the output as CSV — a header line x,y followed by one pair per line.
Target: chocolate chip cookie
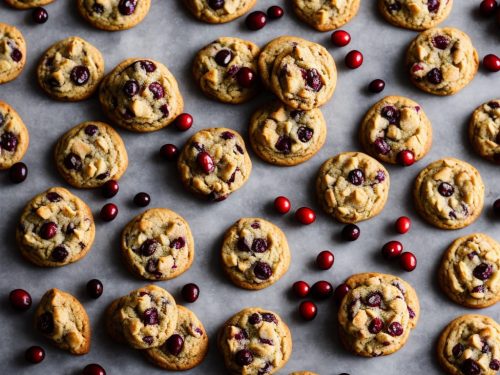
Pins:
x,y
56,228
484,130
219,11
449,193
255,253
26,4
113,15
325,15
14,137
255,341
12,53
63,320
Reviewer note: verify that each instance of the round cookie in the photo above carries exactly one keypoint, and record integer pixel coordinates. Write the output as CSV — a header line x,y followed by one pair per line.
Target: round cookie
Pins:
x,y
90,154
56,228
214,163
255,341
141,95
158,245
219,11
470,271
442,61
395,124
415,14
470,344
216,66
325,15
194,346
26,4
255,253
449,193
12,53
352,187
283,136
71,69
14,137
113,15
484,130
63,320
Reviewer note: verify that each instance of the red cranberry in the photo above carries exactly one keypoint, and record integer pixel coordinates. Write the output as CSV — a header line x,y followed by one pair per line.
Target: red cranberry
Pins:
x,y
308,310
313,79
457,350
350,232
108,212
470,367
183,122
246,77
80,75
190,292
18,172
322,289
392,249
483,271
491,62
356,177
395,329
142,199
284,144
487,7
440,42
408,261
127,7
305,134
223,57
150,316
373,299
325,260
256,20
301,289
110,188
48,230
40,15
495,364
216,4
340,292
496,208
433,5
20,299
282,204
243,357
403,224
375,326
169,152
435,76
175,344
73,161
354,59
93,369
445,189
305,215
157,90
376,86
95,288
205,162
405,158
274,12
340,38
34,354
262,270
16,55
131,88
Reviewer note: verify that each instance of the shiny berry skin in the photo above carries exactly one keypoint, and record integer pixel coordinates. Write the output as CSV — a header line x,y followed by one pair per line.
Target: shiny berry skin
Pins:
x,y
491,62
308,310
190,292
305,215
322,289
341,38
354,59
376,86
169,152
392,249
142,199
487,7
34,354
405,158
93,369
496,208
205,162
408,261
301,289
350,232
402,225
243,357
183,122
48,230
108,212
340,292
246,77
20,299
274,12
39,15
18,172
175,344
110,189
325,260
94,288
256,20
282,205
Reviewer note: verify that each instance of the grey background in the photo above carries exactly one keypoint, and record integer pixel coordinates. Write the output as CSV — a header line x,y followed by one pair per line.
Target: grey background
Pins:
x,y
170,35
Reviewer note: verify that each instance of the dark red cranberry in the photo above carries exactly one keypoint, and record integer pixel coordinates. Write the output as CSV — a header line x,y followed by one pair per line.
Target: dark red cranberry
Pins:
x,y
9,141
227,135
216,4
375,326
340,292
262,271
354,59
308,310
183,122
408,261
190,292
433,5
478,289
39,15
80,75
445,189
175,344
376,86
157,90
350,232
381,146
94,288
313,79
325,260
373,299
282,205
98,8
395,329
20,299
259,245
441,42
205,162
243,357
223,57
53,197
127,7
256,20
169,152
284,144
394,7
178,243
305,134
131,88
254,319
356,177
496,208
150,316
435,76
457,350
391,114
483,271
59,254
73,161
274,12
487,7
270,318
45,323
91,130
305,215
94,369
108,212
392,249
322,289
147,65
48,230
16,55
246,77
18,172
110,188
142,199
491,62
470,367
301,289
403,225
340,38
495,364
149,247
34,354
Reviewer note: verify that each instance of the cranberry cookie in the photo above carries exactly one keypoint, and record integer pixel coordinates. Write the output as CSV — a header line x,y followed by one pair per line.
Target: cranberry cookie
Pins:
x,y
255,341
442,61
12,53
484,130
63,320
255,253
219,11
325,15
14,137
26,4
113,15
284,136
470,271
220,70
396,124
470,344
56,228
449,193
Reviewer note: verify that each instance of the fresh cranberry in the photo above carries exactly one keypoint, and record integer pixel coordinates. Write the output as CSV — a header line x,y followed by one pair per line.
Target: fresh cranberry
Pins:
x,y
435,76
408,261
256,20
243,357
108,212
483,271
20,299
34,354
305,134
175,344
169,152
375,326
340,38
95,288
350,232
308,310
445,189
356,177
127,7
157,90
491,62
205,162
487,7
354,59
18,172
110,188
274,12
403,224
48,230
80,75
223,57
313,79
190,292
246,77
39,15
376,86
340,292
301,289
395,329
183,122
142,199
305,215
405,158
373,299
325,260
496,208
282,204
131,88
262,271
93,369
392,249
433,5
284,144
322,289
216,4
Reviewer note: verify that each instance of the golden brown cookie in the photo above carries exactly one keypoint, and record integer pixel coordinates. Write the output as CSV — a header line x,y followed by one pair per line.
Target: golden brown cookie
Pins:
x,y
325,15
113,15
219,11
12,53
484,130
14,136
26,4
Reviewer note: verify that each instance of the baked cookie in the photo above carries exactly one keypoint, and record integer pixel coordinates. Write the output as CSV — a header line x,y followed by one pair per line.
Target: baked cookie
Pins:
x,y
377,315
71,69
395,124
141,95
144,319
415,14
56,228
283,136
484,130
442,61
325,15
158,245
63,320
12,53
90,154
26,4
470,271
113,15
14,137
216,69
255,341
186,348
449,193
219,11
255,253
214,163
470,344
352,187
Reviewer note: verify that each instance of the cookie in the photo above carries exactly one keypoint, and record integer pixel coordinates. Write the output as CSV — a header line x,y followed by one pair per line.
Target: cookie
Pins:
x,y
284,136
484,130
12,53
216,69
449,193
71,69
395,124
470,271
219,11
56,228
377,314
415,14
63,320
442,61
14,137
26,4
325,15
255,341
186,348
90,154
144,318
352,187
141,95
255,253
113,15
214,163
470,344
158,245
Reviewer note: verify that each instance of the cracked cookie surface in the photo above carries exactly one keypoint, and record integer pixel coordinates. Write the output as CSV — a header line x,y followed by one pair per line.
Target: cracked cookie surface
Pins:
x,y
113,15
220,11
26,4
325,15
484,130
14,136
415,14
12,53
